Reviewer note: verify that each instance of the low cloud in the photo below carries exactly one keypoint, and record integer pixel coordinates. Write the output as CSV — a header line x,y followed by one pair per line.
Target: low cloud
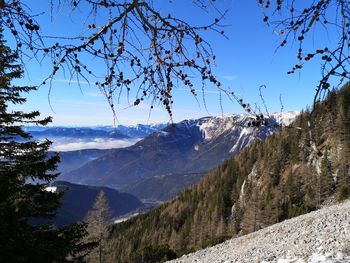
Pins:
x,y
98,143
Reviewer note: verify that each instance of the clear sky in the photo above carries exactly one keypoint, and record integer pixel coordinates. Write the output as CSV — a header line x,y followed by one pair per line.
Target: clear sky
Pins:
x,y
245,61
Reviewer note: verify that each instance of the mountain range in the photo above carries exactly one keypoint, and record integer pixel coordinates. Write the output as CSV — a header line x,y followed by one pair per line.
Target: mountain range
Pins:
x,y
165,162
77,133
119,132
96,137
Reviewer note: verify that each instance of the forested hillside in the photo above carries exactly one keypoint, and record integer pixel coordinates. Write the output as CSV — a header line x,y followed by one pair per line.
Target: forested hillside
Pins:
x,y
288,174
77,200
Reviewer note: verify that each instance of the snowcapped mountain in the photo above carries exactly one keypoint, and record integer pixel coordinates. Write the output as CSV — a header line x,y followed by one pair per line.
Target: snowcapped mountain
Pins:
x,y
285,118
215,126
97,137
140,130
120,132
78,132
235,129
189,148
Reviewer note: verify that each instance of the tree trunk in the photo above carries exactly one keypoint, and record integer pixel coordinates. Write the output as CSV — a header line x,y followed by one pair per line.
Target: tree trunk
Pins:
x,y
100,248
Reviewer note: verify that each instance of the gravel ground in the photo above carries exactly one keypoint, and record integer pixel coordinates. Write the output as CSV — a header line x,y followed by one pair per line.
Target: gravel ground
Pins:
x,y
322,236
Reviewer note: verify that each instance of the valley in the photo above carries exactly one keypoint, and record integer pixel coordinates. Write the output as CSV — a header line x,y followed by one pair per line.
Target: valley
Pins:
x,y
167,161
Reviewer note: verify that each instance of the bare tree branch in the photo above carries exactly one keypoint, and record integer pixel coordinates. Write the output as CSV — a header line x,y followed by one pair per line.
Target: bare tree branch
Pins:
x,y
144,52
296,20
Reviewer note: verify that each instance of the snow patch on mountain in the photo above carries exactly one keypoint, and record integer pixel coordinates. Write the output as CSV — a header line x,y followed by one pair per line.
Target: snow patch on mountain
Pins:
x,y
245,138
212,127
285,118
162,133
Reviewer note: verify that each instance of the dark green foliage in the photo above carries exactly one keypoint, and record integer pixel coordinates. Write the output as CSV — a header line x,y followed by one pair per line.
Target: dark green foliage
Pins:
x,y
327,184
153,254
343,184
343,193
22,204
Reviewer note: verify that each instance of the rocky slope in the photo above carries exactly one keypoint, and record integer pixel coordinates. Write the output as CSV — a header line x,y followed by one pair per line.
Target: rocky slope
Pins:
x,y
321,236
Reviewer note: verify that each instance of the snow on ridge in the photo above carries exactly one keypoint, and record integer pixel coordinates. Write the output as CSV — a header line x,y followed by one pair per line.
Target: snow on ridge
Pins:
x,y
285,118
141,125
212,127
244,139
162,133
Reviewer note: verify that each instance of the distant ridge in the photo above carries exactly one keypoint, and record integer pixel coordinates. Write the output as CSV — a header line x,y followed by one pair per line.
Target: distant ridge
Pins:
x,y
183,149
79,199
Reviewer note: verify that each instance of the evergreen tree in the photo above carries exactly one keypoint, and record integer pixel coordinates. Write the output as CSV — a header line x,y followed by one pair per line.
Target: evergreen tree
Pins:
x,y
150,254
326,178
343,184
251,222
23,205
97,221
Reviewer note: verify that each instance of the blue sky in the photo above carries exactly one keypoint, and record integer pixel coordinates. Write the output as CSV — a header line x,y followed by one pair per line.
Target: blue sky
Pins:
x,y
245,61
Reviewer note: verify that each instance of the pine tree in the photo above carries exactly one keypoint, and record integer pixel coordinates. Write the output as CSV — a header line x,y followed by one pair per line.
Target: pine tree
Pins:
x,y
326,178
26,209
97,220
251,222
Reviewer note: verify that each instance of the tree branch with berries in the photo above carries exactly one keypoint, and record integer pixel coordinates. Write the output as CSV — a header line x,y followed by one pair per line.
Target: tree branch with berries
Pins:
x,y
298,21
146,54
